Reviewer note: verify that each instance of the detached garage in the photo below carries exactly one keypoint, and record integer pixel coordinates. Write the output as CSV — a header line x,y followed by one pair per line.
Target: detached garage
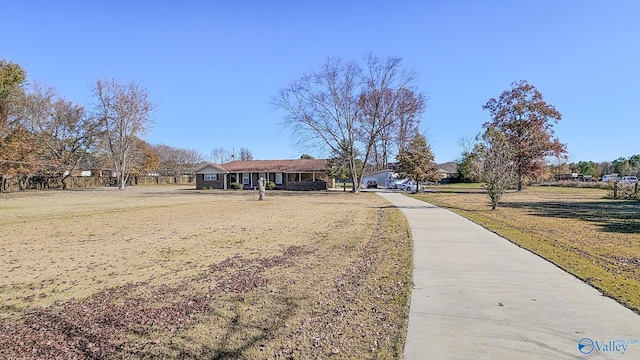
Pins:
x,y
382,177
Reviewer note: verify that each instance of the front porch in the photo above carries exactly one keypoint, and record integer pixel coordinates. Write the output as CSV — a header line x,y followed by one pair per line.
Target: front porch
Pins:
x,y
283,181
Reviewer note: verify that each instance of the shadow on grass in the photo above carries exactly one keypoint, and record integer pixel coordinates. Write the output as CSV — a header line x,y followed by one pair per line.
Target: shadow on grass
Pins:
x,y
618,216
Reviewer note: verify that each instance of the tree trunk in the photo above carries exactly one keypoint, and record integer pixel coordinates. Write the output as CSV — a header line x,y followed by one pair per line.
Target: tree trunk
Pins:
x,y
519,180
121,181
354,176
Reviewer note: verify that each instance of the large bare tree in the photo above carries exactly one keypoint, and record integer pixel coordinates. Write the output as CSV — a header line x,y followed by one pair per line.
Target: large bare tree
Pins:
x,y
220,155
124,112
391,110
345,109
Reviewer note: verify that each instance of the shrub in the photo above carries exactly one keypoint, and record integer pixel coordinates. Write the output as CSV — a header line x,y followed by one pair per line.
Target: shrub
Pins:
x,y
235,186
271,185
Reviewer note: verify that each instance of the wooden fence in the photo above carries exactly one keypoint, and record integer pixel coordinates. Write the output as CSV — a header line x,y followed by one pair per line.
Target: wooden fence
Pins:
x,y
11,184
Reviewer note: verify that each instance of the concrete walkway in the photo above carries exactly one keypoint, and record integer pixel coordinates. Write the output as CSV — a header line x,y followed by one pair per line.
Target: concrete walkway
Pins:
x,y
478,296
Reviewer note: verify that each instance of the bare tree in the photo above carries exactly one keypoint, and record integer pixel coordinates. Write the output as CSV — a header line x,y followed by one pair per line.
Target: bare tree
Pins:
x,y
62,129
123,110
391,109
245,154
192,158
345,109
177,161
220,155
497,166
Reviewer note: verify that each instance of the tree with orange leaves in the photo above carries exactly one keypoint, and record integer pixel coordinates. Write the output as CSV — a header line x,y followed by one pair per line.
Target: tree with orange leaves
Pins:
x,y
526,120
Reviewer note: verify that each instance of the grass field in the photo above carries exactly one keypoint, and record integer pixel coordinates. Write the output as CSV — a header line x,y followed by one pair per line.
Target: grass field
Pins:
x,y
594,238
169,272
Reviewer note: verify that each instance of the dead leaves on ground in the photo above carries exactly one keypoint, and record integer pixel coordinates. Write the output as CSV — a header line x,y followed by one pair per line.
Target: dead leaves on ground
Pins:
x,y
98,327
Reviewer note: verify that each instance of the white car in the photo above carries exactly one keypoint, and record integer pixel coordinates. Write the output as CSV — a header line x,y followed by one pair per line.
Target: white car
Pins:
x,y
629,180
407,184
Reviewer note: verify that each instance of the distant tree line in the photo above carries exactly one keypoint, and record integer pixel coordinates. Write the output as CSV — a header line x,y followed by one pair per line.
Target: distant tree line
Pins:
x,y
44,135
623,166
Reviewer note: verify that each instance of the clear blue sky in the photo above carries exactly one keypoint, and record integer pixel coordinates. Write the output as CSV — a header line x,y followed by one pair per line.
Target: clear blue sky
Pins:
x,y
213,66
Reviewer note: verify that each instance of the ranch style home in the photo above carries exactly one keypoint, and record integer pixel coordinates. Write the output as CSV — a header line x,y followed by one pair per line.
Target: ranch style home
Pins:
x,y
299,174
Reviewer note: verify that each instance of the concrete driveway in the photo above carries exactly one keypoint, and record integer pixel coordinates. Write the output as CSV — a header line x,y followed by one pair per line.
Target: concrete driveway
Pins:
x,y
478,296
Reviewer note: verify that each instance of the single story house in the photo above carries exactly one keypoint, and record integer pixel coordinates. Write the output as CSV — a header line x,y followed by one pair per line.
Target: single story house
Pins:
x,y
447,171
298,174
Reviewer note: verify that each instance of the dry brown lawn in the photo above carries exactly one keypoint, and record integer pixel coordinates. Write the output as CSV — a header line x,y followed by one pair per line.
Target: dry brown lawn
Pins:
x,y
170,272
580,230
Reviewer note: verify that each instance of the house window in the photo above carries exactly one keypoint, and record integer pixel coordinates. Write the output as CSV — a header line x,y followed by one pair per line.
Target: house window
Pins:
x,y
245,178
210,177
278,179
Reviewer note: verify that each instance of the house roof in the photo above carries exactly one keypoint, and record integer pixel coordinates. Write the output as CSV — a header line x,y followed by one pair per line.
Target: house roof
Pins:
x,y
297,165
211,165
448,167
